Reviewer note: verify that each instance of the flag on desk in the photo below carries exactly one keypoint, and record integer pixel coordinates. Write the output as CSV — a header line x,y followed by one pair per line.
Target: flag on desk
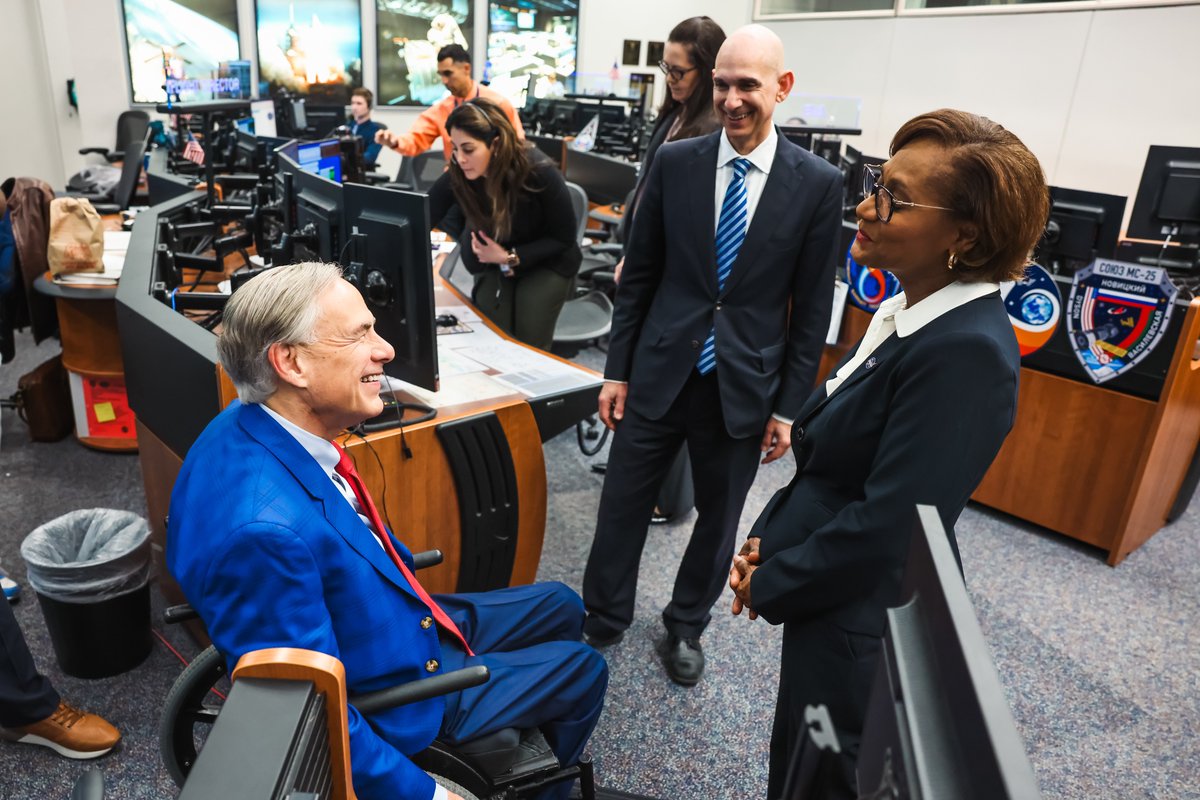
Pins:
x,y
192,151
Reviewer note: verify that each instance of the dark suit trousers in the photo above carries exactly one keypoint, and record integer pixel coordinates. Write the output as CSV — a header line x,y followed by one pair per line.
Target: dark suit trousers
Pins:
x,y
26,696
541,674
723,469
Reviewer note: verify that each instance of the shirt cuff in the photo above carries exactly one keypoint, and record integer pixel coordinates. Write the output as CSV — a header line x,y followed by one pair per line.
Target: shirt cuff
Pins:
x,y
783,419
622,383
440,793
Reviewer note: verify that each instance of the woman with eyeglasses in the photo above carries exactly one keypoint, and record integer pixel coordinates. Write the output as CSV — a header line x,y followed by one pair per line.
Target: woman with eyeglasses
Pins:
x,y
687,108
914,415
519,241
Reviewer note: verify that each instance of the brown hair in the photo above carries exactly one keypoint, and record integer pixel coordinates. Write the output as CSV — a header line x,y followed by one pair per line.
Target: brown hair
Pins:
x,y
991,180
702,38
365,94
508,171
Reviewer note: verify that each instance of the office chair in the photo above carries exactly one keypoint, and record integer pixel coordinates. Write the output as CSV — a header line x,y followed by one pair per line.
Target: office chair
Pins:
x,y
131,128
121,196
509,763
418,173
588,316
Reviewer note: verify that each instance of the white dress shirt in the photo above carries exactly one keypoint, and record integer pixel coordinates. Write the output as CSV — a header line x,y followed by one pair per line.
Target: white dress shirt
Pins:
x,y
894,316
328,457
756,178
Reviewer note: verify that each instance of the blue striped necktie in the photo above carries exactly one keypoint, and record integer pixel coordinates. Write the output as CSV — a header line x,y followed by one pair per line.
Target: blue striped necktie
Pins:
x,y
731,232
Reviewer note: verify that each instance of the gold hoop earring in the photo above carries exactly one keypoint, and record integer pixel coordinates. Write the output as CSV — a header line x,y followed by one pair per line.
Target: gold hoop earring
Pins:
x,y
952,261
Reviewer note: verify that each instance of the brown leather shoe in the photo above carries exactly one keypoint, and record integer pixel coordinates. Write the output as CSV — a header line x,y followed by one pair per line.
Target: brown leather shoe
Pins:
x,y
69,732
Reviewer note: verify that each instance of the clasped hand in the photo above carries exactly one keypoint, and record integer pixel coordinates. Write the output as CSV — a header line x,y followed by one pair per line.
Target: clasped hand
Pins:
x,y
744,564
487,249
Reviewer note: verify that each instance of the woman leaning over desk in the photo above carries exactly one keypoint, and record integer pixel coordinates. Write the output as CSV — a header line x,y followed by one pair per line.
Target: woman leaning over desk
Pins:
x,y
914,415
519,241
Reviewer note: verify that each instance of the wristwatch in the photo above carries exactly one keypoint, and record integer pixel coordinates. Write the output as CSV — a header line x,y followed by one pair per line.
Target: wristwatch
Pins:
x,y
513,259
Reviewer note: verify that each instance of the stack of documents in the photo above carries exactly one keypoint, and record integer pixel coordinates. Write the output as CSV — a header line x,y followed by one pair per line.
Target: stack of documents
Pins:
x,y
115,245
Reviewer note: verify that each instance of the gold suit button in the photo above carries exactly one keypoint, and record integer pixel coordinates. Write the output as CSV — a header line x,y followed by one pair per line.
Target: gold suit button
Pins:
x,y
427,622
431,665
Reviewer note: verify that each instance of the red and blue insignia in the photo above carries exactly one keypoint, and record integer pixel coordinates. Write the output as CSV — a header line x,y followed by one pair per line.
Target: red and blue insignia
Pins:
x,y
1034,308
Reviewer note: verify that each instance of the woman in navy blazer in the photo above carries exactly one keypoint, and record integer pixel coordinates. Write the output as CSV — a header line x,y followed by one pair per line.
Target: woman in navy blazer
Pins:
x,y
914,415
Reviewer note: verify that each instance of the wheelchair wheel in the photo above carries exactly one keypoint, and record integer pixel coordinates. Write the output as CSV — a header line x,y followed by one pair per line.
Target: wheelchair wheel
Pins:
x,y
189,713
590,440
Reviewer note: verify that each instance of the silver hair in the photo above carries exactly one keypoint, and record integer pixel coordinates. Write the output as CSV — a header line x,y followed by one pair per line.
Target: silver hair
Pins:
x,y
278,306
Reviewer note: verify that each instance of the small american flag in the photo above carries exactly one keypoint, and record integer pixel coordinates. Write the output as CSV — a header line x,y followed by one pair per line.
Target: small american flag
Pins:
x,y
192,151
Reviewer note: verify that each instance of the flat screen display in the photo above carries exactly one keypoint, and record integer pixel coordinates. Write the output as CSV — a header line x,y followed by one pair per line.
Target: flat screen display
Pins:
x,y
191,45
321,158
409,36
312,48
532,45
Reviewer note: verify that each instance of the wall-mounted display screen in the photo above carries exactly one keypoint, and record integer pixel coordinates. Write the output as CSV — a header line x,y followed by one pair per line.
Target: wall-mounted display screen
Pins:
x,y
531,47
312,48
189,46
409,36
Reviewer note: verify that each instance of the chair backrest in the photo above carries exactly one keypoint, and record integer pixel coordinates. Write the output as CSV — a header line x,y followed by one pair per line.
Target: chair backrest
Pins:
x,y
131,127
579,203
131,170
427,168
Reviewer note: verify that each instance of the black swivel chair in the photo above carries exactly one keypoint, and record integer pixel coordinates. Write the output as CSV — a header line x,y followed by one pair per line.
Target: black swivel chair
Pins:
x,y
131,128
121,195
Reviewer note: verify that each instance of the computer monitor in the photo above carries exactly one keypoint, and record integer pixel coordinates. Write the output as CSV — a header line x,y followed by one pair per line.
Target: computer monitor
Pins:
x,y
319,205
388,259
606,180
1083,226
244,125
263,113
938,725
1167,206
322,158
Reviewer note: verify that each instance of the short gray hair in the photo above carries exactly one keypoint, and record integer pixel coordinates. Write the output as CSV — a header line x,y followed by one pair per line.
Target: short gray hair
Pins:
x,y
278,306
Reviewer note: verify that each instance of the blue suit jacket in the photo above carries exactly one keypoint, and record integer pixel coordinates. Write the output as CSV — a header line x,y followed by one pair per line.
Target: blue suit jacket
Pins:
x,y
270,554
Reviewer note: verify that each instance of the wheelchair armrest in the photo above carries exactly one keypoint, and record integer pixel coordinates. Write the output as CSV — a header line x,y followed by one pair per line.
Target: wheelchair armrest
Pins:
x,y
416,691
427,558
179,613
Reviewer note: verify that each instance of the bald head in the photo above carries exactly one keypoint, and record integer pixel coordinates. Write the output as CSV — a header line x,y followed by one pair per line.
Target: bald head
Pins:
x,y
748,81
753,43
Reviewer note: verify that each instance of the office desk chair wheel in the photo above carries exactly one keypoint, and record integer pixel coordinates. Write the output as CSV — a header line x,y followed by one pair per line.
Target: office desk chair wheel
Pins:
x,y
591,435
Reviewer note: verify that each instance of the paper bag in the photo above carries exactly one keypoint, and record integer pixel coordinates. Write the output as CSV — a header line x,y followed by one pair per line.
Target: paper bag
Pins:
x,y
76,237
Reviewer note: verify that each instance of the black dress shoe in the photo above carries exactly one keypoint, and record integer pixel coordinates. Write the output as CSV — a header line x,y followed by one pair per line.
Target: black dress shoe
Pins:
x,y
601,640
684,660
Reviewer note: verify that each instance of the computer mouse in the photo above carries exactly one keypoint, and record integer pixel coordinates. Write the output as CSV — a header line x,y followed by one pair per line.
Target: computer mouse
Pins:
x,y
446,320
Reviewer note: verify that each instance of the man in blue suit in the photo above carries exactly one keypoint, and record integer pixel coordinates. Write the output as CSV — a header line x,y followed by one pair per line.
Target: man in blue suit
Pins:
x,y
275,546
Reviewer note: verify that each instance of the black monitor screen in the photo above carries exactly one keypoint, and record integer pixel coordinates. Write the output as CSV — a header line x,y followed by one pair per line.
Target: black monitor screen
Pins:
x,y
1083,226
318,204
606,180
391,265
938,723
1168,197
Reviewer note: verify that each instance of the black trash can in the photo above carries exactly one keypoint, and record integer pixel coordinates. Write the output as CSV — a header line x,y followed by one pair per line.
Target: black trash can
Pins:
x,y
90,570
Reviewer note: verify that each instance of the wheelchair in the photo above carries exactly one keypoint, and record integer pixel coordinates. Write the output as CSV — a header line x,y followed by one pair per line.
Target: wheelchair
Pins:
x,y
508,764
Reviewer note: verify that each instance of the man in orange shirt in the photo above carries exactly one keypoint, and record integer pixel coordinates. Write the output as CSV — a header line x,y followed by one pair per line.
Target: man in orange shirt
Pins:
x,y
454,67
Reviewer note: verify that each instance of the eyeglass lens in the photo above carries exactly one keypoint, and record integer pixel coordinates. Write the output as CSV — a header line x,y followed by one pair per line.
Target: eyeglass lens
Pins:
x,y
883,198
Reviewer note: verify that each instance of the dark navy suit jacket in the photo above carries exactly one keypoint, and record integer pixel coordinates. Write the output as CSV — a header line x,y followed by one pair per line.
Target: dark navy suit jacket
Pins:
x,y
271,555
772,315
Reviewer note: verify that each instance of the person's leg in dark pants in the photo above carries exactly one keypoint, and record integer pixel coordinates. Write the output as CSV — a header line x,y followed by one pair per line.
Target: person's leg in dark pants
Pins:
x,y
641,451
26,696
723,469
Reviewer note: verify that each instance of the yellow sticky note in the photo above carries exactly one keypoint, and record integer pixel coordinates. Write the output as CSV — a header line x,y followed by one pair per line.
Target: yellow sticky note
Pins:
x,y
104,412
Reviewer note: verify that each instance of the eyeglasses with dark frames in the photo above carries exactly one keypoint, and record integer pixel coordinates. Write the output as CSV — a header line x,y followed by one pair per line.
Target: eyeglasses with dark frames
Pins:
x,y
674,73
885,201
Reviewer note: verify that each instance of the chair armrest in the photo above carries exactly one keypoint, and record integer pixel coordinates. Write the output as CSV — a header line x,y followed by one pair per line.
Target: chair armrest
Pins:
x,y
610,248
83,151
113,156
106,208
427,558
416,691
179,613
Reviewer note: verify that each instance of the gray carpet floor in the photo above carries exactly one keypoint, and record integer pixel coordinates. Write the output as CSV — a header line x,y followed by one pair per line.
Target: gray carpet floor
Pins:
x,y
1100,665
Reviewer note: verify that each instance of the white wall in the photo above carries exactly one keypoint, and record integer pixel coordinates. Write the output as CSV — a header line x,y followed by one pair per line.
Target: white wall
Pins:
x,y
1088,91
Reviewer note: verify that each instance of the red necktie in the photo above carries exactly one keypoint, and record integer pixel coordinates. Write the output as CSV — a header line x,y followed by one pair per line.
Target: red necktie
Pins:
x,y
345,468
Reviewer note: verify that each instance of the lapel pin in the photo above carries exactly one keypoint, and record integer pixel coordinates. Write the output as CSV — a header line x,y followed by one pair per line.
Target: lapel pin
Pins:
x,y
871,362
